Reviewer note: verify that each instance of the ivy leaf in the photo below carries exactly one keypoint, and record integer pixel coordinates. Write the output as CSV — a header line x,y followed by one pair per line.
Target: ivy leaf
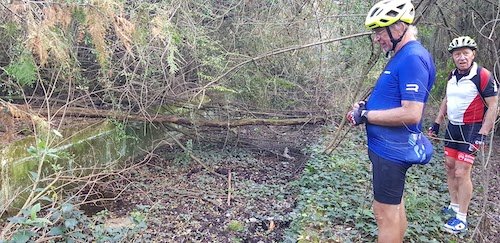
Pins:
x,y
46,198
79,236
33,175
41,222
32,150
17,220
70,223
66,207
34,210
55,231
22,236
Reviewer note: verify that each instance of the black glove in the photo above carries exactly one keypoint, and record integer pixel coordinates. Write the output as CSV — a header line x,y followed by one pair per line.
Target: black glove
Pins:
x,y
358,116
433,130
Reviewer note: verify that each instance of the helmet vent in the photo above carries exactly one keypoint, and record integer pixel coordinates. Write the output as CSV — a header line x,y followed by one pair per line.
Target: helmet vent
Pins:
x,y
374,12
392,13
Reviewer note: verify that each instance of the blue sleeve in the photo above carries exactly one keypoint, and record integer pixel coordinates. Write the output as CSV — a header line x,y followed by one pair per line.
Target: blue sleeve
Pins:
x,y
414,79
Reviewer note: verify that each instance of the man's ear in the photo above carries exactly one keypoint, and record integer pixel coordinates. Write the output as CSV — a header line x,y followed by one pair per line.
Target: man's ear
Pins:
x,y
403,26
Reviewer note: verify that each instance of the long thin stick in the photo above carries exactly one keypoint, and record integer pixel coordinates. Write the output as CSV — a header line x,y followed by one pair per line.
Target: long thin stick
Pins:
x,y
279,51
229,187
196,158
339,136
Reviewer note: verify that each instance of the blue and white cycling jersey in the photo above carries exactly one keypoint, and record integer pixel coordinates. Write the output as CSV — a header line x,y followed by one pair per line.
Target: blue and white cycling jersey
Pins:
x,y
409,75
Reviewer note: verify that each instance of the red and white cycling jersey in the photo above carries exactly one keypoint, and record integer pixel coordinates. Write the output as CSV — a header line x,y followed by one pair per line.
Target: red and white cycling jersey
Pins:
x,y
465,95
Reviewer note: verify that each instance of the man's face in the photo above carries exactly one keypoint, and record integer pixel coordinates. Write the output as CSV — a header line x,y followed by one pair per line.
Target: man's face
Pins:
x,y
463,58
381,37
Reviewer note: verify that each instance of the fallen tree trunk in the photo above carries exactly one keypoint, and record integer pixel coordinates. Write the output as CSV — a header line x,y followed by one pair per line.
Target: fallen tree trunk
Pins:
x,y
157,118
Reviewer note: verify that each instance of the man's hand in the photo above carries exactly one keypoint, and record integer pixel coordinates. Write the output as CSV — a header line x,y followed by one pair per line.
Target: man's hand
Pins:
x,y
433,130
358,115
478,143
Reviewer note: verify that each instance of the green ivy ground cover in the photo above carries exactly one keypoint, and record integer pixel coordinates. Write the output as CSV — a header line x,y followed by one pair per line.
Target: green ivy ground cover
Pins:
x,y
336,195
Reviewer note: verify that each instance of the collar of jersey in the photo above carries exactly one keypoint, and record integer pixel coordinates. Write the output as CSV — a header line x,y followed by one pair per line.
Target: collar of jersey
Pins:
x,y
472,72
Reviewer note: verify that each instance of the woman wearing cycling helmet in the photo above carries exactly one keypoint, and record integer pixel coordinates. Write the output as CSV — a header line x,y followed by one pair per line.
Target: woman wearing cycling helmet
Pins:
x,y
393,113
470,105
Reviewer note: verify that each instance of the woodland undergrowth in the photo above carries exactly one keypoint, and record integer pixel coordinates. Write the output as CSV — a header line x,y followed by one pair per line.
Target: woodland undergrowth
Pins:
x,y
334,202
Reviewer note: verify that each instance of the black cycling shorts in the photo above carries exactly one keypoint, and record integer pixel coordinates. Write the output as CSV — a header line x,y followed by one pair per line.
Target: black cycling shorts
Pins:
x,y
460,137
388,179
459,142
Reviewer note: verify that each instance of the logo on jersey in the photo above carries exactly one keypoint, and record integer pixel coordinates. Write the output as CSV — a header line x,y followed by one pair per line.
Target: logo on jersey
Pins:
x,y
412,87
387,72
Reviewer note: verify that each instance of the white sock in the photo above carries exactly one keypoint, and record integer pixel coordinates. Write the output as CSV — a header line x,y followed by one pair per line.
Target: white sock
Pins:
x,y
454,206
462,217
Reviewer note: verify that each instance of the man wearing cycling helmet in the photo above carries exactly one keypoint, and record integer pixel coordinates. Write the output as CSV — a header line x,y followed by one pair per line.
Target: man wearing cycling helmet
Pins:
x,y
470,105
393,113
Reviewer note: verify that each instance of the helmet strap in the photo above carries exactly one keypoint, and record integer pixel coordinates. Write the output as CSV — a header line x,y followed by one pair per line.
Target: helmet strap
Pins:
x,y
394,41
